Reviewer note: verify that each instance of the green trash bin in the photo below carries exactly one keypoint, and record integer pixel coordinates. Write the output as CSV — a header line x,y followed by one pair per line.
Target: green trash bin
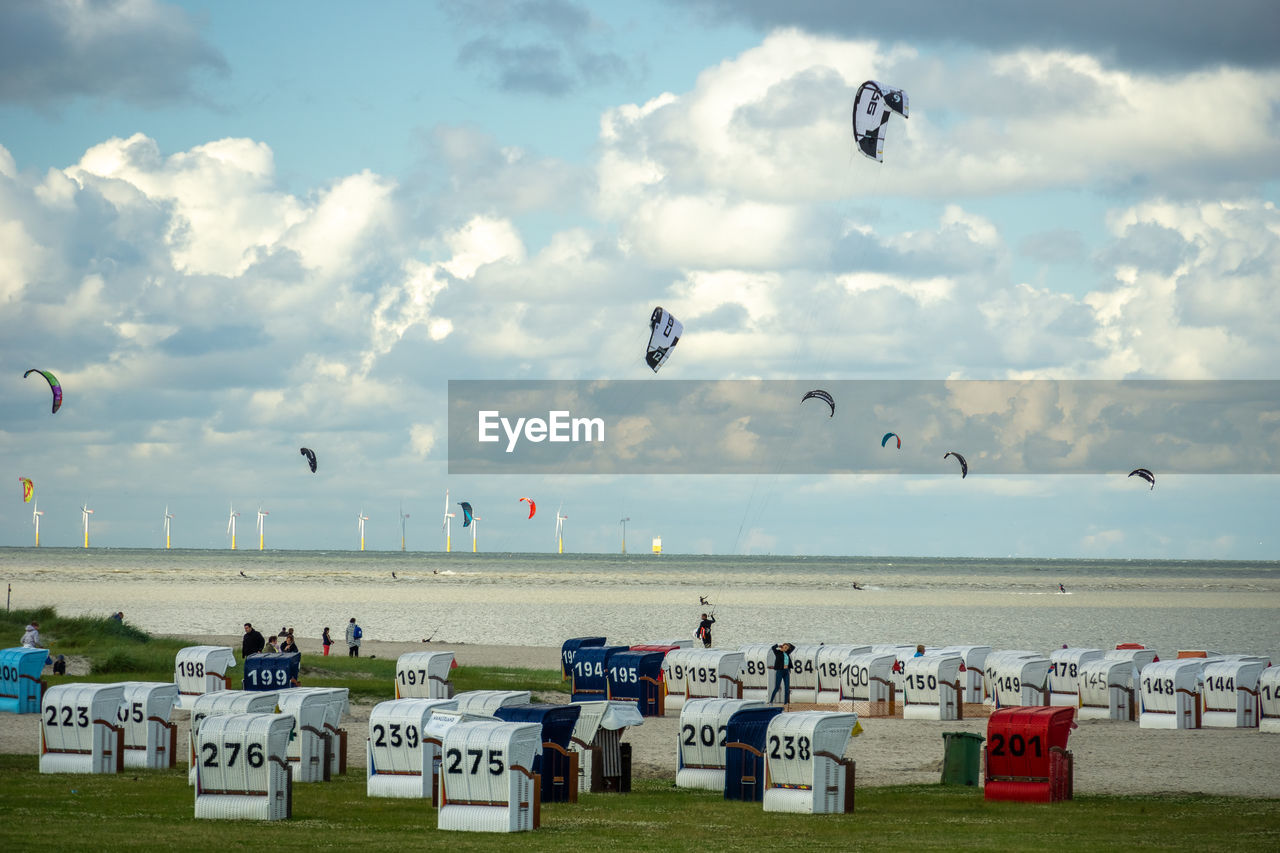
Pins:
x,y
961,759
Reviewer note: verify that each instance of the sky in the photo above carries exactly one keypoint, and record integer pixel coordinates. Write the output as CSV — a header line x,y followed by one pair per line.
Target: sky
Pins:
x,y
235,229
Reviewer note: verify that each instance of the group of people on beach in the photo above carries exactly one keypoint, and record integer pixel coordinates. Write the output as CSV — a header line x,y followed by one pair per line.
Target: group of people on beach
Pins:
x,y
284,641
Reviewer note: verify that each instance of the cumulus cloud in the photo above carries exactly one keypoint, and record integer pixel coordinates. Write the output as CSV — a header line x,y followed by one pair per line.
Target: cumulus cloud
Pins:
x,y
136,50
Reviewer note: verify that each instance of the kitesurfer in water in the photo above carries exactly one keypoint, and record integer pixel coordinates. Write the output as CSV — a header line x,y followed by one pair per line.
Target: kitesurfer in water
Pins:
x,y
1061,588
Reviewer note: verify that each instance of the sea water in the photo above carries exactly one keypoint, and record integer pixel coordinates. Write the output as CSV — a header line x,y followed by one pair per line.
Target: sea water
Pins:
x,y
543,599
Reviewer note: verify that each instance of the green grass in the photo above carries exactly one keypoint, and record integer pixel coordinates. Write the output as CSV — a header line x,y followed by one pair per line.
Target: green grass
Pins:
x,y
154,810
119,652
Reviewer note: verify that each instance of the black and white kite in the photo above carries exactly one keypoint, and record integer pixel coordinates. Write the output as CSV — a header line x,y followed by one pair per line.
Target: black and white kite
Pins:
x,y
819,394
664,333
1145,474
964,466
872,106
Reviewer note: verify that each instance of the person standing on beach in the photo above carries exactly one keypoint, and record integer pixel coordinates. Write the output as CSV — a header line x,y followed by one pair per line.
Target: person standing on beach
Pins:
x,y
704,630
354,635
782,666
326,641
252,642
31,636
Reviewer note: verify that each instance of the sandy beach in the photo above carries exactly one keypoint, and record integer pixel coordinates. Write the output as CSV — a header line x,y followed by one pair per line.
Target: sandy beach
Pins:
x,y
1111,758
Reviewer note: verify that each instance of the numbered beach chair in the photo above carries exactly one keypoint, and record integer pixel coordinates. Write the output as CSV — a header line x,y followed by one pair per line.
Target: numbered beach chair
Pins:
x,y
198,670
700,743
1135,654
1230,693
1017,678
1269,700
487,778
424,675
150,739
971,675
866,684
829,662
745,737
570,648
637,677
931,688
271,670
757,677
243,771
221,703
804,673
1170,694
590,673
79,732
702,674
309,748
401,760
805,768
1107,690
1026,755
557,765
21,686
1064,674
604,761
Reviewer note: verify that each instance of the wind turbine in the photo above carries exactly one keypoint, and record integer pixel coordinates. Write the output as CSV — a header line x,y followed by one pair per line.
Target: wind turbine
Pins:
x,y
363,518
404,516
560,520
447,516
623,522
231,525
262,526
35,519
85,512
474,519
168,516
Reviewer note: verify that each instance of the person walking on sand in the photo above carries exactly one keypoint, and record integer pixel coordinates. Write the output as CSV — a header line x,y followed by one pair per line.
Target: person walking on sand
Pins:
x,y
326,641
782,666
354,635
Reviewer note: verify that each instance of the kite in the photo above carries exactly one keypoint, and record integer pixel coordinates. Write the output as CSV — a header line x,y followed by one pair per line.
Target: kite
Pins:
x,y
54,386
664,333
889,435
819,394
1145,474
467,515
872,106
311,457
28,488
533,507
964,466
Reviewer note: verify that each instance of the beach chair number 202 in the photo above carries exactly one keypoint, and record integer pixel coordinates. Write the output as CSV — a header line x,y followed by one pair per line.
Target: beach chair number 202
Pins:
x,y
454,764
706,733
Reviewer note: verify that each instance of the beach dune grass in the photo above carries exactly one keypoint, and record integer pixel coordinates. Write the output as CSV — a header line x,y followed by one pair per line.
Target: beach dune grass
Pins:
x,y
155,810
118,652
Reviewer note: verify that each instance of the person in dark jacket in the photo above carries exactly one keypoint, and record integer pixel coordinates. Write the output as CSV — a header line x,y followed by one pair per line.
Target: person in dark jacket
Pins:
x,y
782,666
252,642
704,630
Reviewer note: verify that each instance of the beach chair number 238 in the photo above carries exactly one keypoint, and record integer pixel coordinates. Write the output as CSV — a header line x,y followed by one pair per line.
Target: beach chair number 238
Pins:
x,y
789,747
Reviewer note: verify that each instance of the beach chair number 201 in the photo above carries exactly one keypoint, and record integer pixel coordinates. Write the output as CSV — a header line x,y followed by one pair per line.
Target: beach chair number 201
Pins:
x,y
1017,745
794,746
453,759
